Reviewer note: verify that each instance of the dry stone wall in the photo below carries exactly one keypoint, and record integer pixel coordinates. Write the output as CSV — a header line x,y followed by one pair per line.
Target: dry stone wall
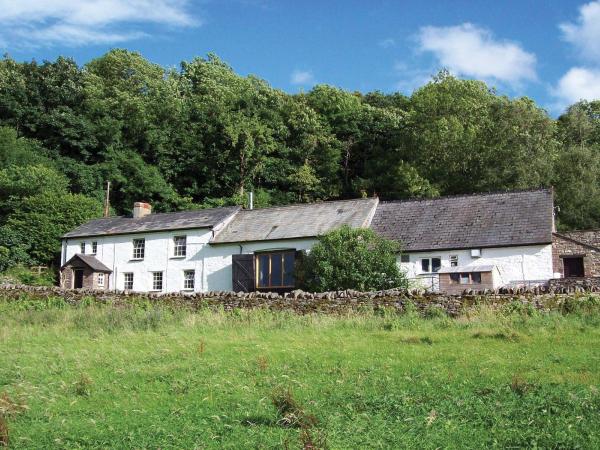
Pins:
x,y
306,302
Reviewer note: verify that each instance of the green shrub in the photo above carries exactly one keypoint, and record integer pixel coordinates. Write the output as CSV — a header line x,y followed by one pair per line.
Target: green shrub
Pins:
x,y
349,258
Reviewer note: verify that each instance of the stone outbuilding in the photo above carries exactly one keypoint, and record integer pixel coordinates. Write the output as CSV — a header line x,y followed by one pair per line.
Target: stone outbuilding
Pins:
x,y
576,254
84,271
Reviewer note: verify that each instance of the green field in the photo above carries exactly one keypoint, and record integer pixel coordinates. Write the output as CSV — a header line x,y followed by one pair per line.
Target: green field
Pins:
x,y
144,377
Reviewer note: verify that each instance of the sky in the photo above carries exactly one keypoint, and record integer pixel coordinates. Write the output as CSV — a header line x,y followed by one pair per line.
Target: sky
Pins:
x,y
547,50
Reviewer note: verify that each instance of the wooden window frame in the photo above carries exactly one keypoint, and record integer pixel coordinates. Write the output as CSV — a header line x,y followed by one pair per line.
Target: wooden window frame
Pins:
x,y
430,258
125,281
158,281
94,248
82,248
270,285
139,251
101,279
461,275
185,280
179,251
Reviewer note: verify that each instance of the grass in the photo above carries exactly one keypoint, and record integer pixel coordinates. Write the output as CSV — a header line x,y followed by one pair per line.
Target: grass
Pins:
x,y
147,377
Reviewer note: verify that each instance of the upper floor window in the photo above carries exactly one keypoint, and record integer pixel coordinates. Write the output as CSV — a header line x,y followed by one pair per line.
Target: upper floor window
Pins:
x,y
139,248
157,281
453,260
430,265
180,246
404,258
94,248
128,283
275,269
82,248
188,280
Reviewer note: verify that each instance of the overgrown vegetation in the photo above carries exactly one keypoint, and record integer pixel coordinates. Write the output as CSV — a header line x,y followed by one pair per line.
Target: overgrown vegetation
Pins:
x,y
144,376
348,258
201,135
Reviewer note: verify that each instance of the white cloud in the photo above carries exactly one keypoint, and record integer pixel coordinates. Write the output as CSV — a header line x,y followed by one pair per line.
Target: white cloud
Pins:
x,y
579,83
472,51
81,22
585,33
302,78
387,43
410,78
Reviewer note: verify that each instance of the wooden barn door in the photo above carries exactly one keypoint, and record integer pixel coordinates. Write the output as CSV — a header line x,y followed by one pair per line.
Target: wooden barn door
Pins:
x,y
243,273
78,278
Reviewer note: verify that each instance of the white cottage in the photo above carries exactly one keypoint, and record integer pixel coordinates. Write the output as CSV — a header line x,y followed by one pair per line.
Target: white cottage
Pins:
x,y
205,250
449,243
473,241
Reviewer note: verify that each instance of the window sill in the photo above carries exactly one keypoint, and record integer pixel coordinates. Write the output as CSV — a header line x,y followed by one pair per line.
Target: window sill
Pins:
x,y
177,257
136,259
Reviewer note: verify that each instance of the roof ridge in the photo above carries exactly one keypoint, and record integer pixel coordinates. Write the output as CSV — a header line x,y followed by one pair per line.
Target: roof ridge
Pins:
x,y
170,212
300,205
474,194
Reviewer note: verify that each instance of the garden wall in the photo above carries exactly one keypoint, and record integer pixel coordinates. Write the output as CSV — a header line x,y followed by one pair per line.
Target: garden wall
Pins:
x,y
305,302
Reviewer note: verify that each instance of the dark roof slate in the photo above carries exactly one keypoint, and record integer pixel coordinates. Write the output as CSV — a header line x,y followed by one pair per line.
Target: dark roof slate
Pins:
x,y
202,218
90,261
296,221
468,221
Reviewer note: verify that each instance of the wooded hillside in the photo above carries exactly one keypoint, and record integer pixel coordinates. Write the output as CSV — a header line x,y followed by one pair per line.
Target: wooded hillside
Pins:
x,y
201,135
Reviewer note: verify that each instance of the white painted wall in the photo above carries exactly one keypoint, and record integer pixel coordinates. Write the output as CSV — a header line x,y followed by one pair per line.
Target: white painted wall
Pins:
x,y
211,263
514,264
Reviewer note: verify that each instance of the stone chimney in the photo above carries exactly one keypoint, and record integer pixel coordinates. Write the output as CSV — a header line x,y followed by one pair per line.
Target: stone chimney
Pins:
x,y
141,209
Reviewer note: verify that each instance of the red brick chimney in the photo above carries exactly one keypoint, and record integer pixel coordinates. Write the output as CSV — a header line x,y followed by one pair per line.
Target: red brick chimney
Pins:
x,y
141,209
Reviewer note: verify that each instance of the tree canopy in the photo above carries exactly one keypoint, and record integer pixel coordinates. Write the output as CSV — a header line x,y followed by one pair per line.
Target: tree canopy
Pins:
x,y
201,135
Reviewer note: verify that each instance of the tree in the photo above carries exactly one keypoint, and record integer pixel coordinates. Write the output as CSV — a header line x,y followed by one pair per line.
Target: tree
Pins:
x,y
349,258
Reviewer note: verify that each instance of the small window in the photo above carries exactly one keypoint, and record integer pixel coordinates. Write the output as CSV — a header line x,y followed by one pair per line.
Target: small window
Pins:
x,y
94,248
128,285
275,270
82,248
139,248
157,281
188,280
100,280
404,258
179,246
431,265
465,278
453,260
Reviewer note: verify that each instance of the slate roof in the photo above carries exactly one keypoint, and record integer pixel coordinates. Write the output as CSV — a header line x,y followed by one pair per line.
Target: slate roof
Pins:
x,y
202,218
90,261
296,221
468,221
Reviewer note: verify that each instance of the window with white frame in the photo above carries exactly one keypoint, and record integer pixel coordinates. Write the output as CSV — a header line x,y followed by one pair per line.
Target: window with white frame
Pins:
x,y
453,260
179,246
139,248
188,280
82,248
100,280
94,248
431,265
128,284
157,281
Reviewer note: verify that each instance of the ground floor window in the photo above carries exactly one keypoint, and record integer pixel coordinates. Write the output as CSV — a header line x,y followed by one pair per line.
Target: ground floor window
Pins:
x,y
430,265
100,280
466,278
275,269
128,284
188,280
157,281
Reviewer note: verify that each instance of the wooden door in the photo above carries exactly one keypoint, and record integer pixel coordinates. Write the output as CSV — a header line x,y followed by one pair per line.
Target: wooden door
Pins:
x,y
78,278
243,273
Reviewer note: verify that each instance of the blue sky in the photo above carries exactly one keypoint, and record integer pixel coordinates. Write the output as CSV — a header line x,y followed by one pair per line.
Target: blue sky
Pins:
x,y
548,50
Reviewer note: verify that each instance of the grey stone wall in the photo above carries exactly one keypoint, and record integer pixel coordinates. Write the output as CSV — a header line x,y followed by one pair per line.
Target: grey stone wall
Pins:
x,y
305,302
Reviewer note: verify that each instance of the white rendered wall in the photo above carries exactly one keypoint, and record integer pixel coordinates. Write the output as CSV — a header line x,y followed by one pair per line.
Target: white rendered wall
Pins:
x,y
514,264
211,264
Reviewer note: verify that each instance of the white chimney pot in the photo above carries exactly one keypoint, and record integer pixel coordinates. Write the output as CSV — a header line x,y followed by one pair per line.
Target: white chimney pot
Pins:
x,y
141,209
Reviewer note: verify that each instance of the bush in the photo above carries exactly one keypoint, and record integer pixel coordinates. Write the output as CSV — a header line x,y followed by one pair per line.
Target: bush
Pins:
x,y
349,258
